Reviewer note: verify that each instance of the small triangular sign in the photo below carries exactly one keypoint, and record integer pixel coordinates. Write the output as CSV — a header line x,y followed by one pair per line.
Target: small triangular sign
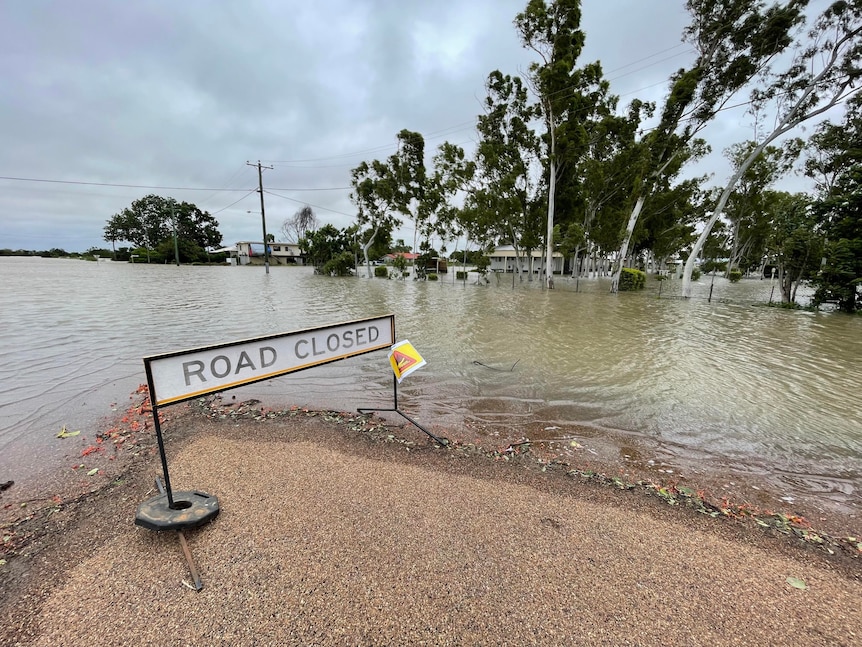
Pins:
x,y
404,359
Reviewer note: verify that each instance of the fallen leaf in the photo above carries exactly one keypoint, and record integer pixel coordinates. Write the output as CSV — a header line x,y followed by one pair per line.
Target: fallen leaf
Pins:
x,y
67,434
796,583
93,471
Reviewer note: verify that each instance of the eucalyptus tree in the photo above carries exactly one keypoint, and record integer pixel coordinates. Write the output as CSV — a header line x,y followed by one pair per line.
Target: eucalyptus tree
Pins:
x,y
747,209
838,151
451,176
824,72
375,196
552,30
506,162
795,241
408,171
735,40
668,221
605,172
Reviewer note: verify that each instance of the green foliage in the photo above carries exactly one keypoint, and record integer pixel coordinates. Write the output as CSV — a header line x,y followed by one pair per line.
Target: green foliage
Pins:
x,y
632,279
151,222
735,275
460,275
322,246
841,278
482,265
400,264
431,276
695,274
381,272
339,265
709,266
502,205
840,211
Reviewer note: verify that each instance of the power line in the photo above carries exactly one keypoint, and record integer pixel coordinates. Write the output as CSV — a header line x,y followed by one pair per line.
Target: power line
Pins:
x,y
121,186
329,188
316,206
233,203
165,188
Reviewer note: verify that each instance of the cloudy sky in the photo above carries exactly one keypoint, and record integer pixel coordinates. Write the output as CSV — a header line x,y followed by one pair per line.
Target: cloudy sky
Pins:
x,y
103,102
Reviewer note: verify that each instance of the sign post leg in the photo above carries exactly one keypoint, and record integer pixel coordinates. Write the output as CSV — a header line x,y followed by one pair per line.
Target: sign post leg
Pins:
x,y
395,409
163,456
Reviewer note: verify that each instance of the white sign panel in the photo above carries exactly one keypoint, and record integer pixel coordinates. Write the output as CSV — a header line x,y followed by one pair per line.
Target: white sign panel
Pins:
x,y
182,375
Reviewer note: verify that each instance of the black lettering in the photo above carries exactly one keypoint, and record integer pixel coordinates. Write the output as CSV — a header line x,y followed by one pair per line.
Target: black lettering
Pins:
x,y
332,343
373,334
360,336
198,370
263,362
296,349
314,347
348,338
220,358
244,362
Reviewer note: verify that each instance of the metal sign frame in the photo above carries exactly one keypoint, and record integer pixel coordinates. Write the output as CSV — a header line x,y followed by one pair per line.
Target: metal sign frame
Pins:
x,y
311,347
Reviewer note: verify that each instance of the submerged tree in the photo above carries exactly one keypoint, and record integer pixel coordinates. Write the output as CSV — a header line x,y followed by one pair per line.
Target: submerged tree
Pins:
x,y
553,32
735,40
824,72
153,221
794,240
503,205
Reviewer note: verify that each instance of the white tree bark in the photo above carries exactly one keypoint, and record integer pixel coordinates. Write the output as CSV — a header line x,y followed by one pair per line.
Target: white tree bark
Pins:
x,y
552,186
624,248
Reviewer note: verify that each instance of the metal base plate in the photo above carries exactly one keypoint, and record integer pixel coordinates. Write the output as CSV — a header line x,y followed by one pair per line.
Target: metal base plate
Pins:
x,y
191,509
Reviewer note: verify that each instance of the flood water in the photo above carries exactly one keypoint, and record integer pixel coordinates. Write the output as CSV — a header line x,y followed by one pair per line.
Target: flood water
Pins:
x,y
727,386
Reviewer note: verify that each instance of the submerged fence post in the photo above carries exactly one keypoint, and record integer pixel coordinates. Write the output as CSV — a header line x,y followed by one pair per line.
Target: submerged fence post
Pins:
x,y
711,284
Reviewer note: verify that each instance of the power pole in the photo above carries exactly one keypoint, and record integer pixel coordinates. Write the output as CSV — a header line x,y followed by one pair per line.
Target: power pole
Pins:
x,y
176,246
262,211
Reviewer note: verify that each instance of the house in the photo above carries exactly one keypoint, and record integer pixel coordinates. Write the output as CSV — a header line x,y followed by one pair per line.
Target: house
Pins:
x,y
408,256
249,252
504,259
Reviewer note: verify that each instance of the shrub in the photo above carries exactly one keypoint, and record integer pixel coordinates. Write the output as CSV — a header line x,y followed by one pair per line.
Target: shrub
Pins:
x,y
431,276
461,276
735,276
708,266
632,279
695,274
381,272
340,265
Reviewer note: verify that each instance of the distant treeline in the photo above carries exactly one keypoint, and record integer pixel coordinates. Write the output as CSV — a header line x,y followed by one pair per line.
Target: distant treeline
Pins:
x,y
57,253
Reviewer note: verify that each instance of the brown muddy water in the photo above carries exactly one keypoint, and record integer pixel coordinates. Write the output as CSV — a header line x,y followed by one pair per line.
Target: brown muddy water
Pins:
x,y
727,386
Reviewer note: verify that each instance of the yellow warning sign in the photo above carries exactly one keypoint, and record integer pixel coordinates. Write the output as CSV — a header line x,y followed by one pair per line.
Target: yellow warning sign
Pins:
x,y
404,359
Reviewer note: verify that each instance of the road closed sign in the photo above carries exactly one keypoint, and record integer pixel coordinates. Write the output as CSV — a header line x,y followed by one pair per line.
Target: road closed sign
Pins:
x,y
182,375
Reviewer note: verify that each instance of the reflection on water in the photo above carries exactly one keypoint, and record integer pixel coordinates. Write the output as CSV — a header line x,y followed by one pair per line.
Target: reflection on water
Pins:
x,y
753,389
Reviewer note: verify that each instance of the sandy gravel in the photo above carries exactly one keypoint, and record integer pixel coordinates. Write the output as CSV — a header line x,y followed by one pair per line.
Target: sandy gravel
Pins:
x,y
330,537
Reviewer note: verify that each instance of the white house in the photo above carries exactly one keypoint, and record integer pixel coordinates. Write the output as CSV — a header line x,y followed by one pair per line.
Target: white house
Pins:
x,y
250,252
504,259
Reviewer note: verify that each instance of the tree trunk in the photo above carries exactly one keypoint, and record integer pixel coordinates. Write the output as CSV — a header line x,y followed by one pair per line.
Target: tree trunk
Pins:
x,y
719,209
624,248
732,257
552,184
365,249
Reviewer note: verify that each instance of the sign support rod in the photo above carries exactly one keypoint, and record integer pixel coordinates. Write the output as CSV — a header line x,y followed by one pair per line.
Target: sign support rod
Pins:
x,y
395,409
